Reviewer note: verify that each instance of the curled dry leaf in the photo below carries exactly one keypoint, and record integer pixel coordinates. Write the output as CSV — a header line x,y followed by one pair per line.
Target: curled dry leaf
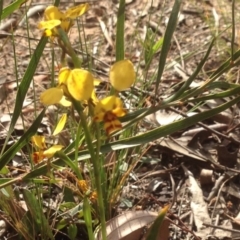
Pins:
x,y
227,153
8,24
31,12
206,177
198,206
128,226
3,227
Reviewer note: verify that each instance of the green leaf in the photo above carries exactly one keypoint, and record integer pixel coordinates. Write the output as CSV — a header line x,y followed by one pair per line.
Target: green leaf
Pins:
x,y
143,138
37,214
172,22
148,46
11,8
14,6
1,9
72,231
8,192
29,227
157,45
192,77
70,163
120,31
62,224
24,86
68,195
88,218
4,170
10,153
28,75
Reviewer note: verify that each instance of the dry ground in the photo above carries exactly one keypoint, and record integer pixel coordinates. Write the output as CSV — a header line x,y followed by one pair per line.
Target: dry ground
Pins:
x,y
198,22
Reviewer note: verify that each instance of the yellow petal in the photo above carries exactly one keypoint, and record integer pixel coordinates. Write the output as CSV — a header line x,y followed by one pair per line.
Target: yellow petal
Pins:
x,y
93,197
66,24
64,75
60,124
119,112
52,150
82,184
96,82
122,75
64,102
80,84
38,141
50,24
52,12
111,104
76,11
51,96
48,33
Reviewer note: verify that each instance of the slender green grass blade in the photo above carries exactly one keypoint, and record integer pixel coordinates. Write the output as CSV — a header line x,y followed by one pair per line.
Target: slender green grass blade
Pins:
x,y
72,231
24,86
1,10
225,67
27,78
37,214
145,137
221,95
88,218
14,6
192,77
233,29
11,8
172,22
10,153
70,163
120,31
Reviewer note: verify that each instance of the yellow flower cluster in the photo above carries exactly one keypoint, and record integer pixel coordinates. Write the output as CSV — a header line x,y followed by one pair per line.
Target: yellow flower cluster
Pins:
x,y
78,83
83,186
42,151
53,17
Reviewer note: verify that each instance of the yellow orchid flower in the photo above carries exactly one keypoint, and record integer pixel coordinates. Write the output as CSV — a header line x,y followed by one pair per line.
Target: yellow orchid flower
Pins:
x,y
122,75
109,110
54,17
85,189
82,184
48,26
39,141
78,83
43,152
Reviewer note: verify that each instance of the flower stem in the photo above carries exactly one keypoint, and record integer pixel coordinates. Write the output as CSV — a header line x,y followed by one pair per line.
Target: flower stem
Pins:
x,y
94,156
96,168
68,48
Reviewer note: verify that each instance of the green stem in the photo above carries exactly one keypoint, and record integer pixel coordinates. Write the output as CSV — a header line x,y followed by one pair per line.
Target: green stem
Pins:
x,y
68,47
120,31
94,157
96,168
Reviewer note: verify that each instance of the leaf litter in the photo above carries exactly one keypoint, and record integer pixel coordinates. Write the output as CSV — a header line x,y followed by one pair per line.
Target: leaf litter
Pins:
x,y
214,204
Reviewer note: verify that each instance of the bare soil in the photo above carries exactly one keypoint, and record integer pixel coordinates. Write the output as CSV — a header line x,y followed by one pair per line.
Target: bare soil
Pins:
x,y
160,177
